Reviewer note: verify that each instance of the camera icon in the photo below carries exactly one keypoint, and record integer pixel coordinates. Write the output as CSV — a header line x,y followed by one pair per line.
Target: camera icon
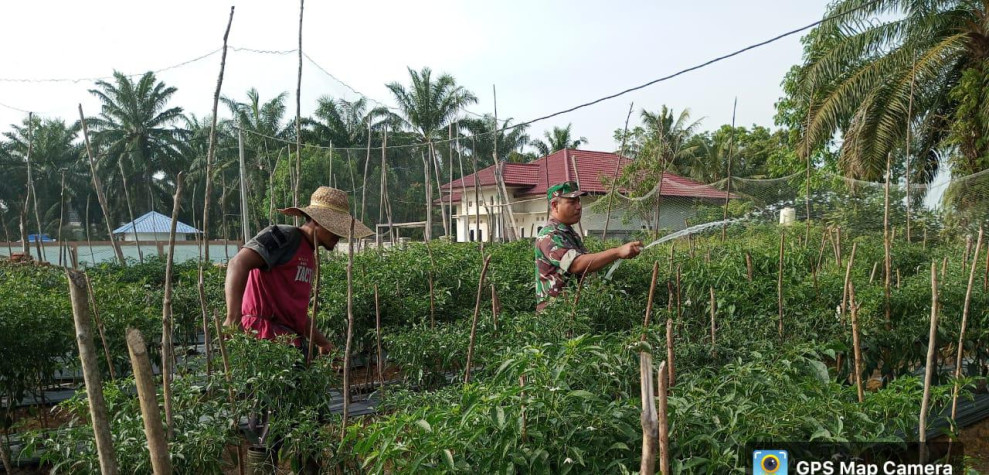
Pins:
x,y
770,462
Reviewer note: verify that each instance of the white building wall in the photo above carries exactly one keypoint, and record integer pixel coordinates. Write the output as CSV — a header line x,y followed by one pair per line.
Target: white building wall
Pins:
x,y
129,237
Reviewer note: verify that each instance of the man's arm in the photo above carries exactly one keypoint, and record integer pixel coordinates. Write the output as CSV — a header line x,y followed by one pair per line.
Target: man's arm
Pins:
x,y
233,288
598,260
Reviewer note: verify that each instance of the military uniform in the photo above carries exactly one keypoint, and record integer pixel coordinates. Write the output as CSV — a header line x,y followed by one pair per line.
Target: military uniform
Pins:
x,y
557,246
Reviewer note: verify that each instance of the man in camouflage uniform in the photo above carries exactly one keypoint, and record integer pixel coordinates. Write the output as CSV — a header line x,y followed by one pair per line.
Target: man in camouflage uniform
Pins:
x,y
560,251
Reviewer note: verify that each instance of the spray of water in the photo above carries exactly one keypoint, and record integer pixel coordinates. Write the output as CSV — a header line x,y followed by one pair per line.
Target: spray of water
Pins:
x,y
697,228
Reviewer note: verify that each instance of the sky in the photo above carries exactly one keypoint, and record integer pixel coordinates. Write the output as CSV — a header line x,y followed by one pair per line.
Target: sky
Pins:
x,y
542,56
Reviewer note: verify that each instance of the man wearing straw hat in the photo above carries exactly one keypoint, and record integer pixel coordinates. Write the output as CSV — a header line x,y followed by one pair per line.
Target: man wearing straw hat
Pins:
x,y
269,281
560,251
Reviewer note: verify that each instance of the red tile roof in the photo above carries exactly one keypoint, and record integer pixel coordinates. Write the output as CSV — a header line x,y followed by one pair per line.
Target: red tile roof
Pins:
x,y
588,168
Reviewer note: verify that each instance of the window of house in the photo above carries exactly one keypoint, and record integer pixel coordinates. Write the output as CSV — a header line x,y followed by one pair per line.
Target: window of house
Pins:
x,y
472,235
522,231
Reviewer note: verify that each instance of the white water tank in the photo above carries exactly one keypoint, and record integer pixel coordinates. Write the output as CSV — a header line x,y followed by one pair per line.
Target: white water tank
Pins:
x,y
788,216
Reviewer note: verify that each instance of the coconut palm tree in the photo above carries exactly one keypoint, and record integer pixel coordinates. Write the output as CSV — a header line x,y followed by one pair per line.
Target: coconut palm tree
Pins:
x,y
875,70
428,105
558,139
135,132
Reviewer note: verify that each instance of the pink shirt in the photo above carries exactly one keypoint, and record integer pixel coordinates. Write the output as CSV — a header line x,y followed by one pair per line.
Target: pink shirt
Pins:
x,y
276,301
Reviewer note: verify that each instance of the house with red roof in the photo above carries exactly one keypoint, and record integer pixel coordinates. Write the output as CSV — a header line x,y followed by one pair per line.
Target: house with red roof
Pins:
x,y
481,214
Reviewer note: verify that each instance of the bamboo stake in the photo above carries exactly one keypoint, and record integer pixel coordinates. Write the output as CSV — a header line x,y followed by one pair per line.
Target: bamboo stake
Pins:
x,y
298,124
779,284
652,290
99,326
367,166
679,300
315,299
473,326
350,330
837,246
33,195
872,276
669,350
576,302
929,370
649,420
144,379
432,295
61,216
887,243
856,345
166,313
664,425
614,180
748,266
91,372
495,307
673,247
377,335
961,331
211,151
848,276
713,310
968,250
130,210
100,196
228,376
944,267
731,149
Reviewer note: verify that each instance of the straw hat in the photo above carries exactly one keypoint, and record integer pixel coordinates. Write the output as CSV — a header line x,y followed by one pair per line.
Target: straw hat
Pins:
x,y
329,208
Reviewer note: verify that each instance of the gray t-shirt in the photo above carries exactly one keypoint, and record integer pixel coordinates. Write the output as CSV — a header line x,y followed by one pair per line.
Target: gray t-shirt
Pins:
x,y
276,244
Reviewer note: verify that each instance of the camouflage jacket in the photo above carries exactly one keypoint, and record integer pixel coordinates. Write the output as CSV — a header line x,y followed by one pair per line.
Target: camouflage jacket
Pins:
x,y
557,245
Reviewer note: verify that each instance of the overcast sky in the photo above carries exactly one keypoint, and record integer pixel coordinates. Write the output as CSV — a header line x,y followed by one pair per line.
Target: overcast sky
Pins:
x,y
543,56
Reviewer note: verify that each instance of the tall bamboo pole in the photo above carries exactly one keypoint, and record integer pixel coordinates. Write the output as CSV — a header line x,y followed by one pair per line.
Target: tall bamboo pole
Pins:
x,y
91,372
99,326
166,313
500,172
298,119
652,290
662,386
473,326
100,197
367,166
649,420
144,379
848,276
731,147
961,331
779,284
614,180
887,244
350,330
856,345
315,297
211,151
61,215
929,369
130,210
30,187
245,227
377,334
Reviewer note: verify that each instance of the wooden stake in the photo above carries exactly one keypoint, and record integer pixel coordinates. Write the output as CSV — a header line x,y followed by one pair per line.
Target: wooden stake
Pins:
x,y
679,299
350,330
377,335
495,307
649,420
887,244
669,350
673,246
961,331
298,126
130,210
731,149
91,372
99,326
848,276
473,326
968,250
100,196
652,290
856,345
167,350
779,284
432,295
931,342
144,379
664,425
944,267
713,310
614,179
211,150
748,266
315,298
872,276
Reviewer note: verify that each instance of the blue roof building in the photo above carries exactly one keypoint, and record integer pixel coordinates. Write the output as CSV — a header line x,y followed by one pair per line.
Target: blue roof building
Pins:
x,y
154,226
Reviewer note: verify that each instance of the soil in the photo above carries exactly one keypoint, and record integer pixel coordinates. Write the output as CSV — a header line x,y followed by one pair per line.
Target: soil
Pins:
x,y
976,440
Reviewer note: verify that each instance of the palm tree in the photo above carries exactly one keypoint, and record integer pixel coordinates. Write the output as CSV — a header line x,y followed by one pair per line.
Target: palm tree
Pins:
x,y
481,142
135,132
558,139
879,72
428,106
